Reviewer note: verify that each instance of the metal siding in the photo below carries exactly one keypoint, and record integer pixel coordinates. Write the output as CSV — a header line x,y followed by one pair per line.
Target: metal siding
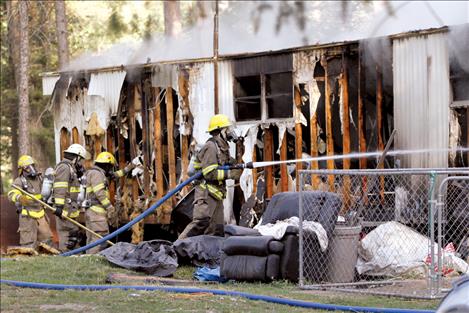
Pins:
x,y
421,98
48,84
107,85
263,64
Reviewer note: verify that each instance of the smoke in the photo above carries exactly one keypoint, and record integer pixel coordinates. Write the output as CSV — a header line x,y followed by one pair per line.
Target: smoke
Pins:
x,y
458,44
257,26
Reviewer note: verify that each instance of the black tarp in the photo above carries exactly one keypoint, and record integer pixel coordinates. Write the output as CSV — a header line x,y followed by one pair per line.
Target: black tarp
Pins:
x,y
201,250
155,257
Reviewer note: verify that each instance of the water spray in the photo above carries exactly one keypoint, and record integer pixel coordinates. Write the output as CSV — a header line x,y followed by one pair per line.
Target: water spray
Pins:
x,y
252,165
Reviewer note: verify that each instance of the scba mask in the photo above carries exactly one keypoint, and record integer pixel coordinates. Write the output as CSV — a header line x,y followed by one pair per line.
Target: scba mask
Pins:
x,y
229,134
31,171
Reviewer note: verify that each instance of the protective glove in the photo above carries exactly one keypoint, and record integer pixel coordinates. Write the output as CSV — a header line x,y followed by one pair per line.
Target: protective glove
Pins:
x,y
25,200
235,174
58,211
129,167
112,217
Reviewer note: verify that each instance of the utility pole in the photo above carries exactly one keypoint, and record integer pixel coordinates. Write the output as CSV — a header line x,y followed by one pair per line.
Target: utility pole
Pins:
x,y
215,56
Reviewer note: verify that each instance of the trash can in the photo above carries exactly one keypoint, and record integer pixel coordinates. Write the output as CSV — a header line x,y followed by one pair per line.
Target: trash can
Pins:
x,y
343,253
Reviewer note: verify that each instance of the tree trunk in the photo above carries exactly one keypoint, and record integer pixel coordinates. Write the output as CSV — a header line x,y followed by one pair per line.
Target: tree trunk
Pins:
x,y
172,18
62,33
14,58
23,71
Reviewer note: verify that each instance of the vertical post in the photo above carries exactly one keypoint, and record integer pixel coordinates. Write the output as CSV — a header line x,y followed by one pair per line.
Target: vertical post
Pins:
x,y
467,137
158,146
121,149
170,132
298,136
346,127
283,167
64,141
314,146
268,156
110,148
361,118
215,57
379,122
132,98
361,113
254,170
146,161
75,135
301,243
328,109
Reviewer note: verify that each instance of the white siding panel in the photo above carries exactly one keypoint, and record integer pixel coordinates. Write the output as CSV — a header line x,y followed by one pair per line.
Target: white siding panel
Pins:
x,y
421,98
48,84
107,85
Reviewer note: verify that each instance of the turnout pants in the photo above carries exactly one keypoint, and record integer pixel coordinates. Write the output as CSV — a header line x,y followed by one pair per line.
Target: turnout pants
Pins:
x,y
208,217
34,230
68,234
97,222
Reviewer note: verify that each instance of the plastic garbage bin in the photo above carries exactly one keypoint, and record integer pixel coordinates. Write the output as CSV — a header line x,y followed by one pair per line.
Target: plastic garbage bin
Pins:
x,y
343,252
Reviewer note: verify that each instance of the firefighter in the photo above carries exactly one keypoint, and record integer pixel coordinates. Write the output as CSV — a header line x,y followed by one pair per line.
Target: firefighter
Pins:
x,y
66,188
208,216
33,222
100,213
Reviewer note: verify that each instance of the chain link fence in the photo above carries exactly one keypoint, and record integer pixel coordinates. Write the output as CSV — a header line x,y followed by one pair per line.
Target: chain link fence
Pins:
x,y
386,227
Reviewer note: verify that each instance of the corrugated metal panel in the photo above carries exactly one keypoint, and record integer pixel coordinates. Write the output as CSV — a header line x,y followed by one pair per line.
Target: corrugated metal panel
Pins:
x,y
421,98
107,85
225,89
201,99
263,64
48,84
165,75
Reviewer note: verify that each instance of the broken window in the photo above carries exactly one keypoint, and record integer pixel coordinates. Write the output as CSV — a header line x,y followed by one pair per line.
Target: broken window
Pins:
x,y
263,88
459,66
279,95
248,98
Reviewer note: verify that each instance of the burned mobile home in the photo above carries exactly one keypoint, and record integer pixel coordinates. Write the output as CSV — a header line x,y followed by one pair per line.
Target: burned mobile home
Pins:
x,y
315,100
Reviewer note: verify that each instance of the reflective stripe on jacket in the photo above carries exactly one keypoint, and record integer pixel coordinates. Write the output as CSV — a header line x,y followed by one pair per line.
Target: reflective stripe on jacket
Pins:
x,y
66,188
33,186
97,191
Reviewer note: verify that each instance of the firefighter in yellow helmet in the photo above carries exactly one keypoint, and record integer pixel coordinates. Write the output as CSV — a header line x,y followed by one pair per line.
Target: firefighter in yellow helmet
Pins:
x,y
100,213
66,189
33,222
210,191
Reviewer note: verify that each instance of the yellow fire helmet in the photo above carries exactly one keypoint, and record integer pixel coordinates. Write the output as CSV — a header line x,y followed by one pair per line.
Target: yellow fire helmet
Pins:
x,y
219,121
105,157
24,161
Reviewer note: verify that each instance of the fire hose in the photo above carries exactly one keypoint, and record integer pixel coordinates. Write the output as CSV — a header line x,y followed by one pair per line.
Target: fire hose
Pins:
x,y
218,292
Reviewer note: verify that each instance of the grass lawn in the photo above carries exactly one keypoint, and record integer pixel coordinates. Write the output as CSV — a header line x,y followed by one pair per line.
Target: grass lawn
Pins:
x,y
94,270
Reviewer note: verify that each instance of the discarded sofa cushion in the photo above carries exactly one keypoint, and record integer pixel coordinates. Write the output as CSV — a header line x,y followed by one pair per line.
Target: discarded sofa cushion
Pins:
x,y
319,206
155,257
251,245
203,250
250,267
235,230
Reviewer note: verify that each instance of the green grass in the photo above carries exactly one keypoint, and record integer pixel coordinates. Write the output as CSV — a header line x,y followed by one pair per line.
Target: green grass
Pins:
x,y
94,270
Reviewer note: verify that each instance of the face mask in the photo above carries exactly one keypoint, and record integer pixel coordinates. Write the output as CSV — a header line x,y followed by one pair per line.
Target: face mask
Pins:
x,y
229,134
31,171
79,166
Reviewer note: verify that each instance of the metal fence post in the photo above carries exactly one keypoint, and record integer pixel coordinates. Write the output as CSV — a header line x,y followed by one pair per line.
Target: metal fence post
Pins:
x,y
301,278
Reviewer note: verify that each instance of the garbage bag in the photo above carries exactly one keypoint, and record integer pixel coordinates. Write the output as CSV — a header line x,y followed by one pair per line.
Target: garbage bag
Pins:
x,y
203,250
155,257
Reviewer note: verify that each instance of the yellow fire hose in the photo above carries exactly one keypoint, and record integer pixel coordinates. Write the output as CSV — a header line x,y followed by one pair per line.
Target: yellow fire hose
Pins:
x,y
71,220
